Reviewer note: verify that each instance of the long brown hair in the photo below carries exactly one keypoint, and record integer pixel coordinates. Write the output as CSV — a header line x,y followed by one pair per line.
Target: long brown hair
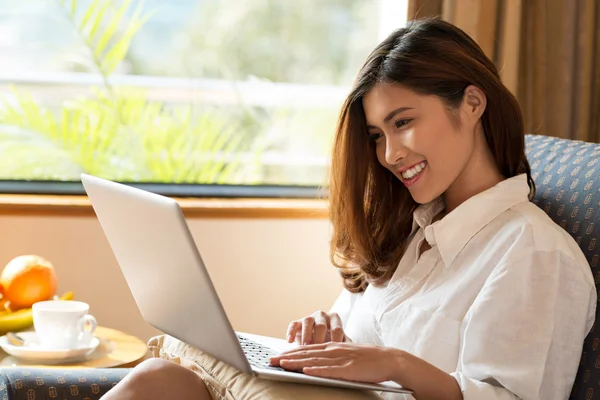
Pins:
x,y
370,210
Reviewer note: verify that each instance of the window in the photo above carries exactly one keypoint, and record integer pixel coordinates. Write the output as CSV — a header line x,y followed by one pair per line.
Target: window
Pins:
x,y
187,92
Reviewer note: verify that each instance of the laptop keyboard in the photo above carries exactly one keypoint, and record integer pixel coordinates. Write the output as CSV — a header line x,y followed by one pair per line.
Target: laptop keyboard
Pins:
x,y
257,354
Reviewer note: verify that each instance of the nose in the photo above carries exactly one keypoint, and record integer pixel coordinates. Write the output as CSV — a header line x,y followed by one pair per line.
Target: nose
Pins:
x,y
394,151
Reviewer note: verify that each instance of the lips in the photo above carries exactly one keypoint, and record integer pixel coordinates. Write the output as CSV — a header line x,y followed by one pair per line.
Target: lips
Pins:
x,y
413,175
412,171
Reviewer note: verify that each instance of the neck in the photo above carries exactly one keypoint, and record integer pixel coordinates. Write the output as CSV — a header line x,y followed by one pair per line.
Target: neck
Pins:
x,y
480,174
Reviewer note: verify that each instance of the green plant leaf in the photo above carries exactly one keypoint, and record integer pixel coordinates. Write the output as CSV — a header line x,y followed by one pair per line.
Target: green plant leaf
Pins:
x,y
92,9
119,50
111,29
102,6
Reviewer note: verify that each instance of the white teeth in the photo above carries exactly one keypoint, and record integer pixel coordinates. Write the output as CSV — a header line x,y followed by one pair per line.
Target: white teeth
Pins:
x,y
414,171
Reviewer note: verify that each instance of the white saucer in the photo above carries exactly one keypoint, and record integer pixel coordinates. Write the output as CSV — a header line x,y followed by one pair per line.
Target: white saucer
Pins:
x,y
32,350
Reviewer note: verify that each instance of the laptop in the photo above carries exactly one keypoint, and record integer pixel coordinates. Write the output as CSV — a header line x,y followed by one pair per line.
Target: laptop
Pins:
x,y
162,266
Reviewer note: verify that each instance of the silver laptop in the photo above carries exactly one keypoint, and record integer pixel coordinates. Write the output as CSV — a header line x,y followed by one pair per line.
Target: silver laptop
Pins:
x,y
171,285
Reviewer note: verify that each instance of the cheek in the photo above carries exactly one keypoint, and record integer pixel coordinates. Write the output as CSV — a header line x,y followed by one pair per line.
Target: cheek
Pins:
x,y
450,152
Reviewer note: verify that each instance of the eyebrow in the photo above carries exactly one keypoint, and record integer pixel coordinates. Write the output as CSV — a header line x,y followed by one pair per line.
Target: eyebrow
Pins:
x,y
391,115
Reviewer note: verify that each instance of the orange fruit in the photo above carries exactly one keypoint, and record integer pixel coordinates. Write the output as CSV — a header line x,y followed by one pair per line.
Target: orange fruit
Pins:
x,y
26,280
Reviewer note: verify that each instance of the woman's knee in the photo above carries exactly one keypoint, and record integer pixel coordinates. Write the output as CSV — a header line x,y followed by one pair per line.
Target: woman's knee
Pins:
x,y
155,371
157,378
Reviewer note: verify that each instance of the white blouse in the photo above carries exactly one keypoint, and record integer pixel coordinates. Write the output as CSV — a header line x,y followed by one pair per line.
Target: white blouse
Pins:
x,y
502,301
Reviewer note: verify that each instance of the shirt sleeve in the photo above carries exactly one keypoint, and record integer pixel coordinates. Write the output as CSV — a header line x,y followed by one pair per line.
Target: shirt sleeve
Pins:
x,y
523,336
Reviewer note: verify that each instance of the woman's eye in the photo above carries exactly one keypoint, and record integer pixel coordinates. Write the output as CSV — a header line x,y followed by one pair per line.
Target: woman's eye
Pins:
x,y
401,122
375,136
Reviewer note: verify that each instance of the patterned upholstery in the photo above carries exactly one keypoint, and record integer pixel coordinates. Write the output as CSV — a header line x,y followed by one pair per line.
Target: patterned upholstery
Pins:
x,y
59,384
567,176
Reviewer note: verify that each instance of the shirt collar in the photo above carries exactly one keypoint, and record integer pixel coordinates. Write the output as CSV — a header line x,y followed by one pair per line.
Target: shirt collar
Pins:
x,y
452,233
424,214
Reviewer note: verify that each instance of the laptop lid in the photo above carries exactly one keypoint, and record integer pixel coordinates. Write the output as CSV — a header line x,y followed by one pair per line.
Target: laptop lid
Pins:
x,y
163,268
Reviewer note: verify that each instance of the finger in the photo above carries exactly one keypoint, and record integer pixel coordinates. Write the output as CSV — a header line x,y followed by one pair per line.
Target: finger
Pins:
x,y
298,355
321,327
310,347
307,330
289,355
330,371
276,360
293,329
298,365
336,328
304,353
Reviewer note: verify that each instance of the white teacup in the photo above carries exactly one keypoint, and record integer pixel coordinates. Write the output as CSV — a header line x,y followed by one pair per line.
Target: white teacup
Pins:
x,y
63,324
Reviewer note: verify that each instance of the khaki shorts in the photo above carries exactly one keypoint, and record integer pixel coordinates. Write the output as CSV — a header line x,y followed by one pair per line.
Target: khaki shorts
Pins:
x,y
227,383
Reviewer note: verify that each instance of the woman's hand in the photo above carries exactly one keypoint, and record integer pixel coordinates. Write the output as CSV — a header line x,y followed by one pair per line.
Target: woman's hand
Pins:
x,y
317,328
371,364
349,361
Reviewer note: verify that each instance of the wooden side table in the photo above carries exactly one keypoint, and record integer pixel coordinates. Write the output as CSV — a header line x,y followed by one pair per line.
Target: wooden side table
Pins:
x,y
116,350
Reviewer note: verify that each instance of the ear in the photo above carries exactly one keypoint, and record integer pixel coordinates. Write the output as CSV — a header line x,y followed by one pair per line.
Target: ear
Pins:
x,y
474,103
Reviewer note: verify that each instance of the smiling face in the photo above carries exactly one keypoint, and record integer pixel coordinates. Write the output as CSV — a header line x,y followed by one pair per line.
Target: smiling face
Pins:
x,y
422,142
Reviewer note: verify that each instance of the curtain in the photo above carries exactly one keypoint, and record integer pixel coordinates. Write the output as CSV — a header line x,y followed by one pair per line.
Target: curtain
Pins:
x,y
547,52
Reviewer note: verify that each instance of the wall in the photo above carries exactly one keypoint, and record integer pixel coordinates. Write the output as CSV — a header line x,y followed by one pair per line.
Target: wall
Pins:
x,y
267,271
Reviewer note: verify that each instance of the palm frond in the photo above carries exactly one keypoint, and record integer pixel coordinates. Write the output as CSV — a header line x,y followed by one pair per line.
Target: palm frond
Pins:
x,y
106,31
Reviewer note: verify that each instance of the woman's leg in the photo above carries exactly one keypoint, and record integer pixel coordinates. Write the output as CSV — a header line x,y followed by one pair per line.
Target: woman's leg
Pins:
x,y
158,379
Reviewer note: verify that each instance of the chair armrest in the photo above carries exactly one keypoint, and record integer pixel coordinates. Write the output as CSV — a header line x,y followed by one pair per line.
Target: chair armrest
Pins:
x,y
22,383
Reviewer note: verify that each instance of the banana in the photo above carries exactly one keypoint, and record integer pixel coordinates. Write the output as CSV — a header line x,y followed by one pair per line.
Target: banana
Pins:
x,y
14,321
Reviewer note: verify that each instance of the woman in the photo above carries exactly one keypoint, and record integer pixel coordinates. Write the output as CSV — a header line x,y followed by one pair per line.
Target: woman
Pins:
x,y
456,285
